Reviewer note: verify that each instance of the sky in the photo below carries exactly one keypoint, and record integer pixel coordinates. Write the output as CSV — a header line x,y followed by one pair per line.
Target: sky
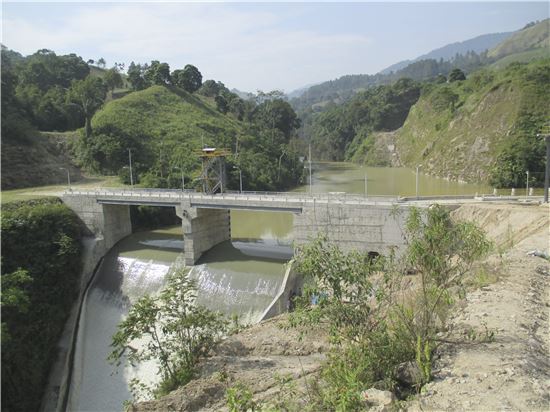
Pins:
x,y
258,46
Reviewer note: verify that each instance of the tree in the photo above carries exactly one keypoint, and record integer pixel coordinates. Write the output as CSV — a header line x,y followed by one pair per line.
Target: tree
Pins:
x,y
112,79
211,88
136,76
89,95
456,75
221,104
189,79
179,332
158,73
101,62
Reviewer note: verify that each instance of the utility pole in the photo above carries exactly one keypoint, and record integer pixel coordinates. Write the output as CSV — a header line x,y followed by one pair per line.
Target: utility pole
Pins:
x,y
68,176
417,167
546,136
309,159
131,174
527,184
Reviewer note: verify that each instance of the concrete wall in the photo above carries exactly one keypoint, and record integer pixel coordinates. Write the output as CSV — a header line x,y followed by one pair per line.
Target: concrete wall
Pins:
x,y
202,230
110,222
362,227
292,285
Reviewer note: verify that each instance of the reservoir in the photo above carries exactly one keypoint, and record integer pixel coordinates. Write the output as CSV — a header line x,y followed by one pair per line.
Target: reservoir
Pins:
x,y
238,277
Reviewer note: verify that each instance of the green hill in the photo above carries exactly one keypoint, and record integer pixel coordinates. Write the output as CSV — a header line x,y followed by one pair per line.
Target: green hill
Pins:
x,y
165,126
530,38
483,128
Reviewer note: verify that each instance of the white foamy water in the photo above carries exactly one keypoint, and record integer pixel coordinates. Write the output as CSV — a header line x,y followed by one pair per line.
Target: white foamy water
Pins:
x,y
234,293
96,385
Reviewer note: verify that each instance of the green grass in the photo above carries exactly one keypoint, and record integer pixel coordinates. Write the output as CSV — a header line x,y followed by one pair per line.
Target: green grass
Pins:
x,y
165,113
523,57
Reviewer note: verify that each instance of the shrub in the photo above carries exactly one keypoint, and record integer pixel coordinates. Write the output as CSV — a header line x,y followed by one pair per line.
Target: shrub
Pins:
x,y
380,317
178,334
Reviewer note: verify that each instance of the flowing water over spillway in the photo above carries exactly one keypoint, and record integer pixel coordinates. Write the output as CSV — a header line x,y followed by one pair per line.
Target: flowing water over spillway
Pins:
x,y
239,277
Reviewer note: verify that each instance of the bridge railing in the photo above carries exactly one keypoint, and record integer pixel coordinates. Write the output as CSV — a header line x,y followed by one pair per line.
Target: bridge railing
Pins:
x,y
257,195
191,194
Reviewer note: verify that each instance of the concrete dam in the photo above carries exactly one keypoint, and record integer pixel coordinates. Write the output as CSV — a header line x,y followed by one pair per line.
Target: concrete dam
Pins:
x,y
372,224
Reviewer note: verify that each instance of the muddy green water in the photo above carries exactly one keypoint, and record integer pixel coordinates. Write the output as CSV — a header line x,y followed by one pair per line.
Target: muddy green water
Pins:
x,y
235,277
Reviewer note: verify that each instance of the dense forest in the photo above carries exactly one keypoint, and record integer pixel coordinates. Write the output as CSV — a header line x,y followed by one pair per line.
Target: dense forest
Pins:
x,y
163,116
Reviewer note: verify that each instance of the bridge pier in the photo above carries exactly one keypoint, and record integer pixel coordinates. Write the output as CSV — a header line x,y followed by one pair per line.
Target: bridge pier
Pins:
x,y
202,230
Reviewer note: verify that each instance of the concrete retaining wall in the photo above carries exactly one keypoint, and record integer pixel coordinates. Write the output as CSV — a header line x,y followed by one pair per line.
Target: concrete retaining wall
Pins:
x,y
292,283
367,228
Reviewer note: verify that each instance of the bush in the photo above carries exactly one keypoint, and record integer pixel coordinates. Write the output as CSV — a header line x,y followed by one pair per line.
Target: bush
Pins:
x,y
178,334
40,272
381,318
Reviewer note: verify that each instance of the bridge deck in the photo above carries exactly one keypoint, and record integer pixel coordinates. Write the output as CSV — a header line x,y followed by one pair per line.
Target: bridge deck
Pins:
x,y
270,201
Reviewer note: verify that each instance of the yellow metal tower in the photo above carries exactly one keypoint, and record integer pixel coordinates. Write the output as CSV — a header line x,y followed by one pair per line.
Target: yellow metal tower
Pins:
x,y
213,174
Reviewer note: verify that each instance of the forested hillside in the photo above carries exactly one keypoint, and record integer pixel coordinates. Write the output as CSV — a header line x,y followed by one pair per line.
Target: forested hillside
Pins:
x,y
475,125
165,126
483,128
163,116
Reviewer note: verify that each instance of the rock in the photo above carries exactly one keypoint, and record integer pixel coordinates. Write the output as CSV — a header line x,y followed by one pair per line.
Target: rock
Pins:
x,y
408,373
377,397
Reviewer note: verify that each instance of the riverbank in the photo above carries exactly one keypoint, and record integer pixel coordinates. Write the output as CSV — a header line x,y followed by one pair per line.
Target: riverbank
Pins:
x,y
510,297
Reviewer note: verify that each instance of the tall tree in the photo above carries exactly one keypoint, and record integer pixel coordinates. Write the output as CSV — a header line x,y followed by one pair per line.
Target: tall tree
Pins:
x,y
189,79
112,79
136,76
89,95
158,73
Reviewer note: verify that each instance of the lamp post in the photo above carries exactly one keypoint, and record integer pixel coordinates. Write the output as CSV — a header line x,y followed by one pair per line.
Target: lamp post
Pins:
x,y
547,171
240,178
527,184
417,168
131,174
182,177
309,159
68,176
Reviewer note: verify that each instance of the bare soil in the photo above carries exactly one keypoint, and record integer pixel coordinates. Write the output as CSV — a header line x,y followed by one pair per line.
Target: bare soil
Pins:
x,y
511,370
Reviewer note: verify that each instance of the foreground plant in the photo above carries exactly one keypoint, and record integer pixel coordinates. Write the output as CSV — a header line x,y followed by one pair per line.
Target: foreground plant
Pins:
x,y
386,316
173,331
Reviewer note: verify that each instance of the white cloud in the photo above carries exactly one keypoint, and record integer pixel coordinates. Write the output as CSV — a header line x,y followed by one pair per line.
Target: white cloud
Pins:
x,y
247,49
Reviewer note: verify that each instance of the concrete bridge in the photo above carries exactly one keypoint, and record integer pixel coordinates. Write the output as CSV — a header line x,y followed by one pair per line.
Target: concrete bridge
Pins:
x,y
352,221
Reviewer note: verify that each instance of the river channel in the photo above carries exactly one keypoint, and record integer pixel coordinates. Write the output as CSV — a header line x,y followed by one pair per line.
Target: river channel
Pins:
x,y
239,277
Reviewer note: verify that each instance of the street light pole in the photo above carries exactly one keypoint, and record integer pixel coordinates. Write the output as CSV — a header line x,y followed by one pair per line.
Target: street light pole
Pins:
x,y
417,167
527,184
131,174
547,171
68,176
241,180
309,159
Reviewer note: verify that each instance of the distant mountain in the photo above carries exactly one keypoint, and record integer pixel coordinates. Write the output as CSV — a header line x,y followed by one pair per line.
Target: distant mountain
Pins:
x,y
243,95
478,45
